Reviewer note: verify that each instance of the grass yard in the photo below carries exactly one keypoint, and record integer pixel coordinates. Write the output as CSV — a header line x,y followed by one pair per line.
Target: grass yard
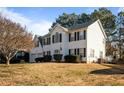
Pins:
x,y
61,74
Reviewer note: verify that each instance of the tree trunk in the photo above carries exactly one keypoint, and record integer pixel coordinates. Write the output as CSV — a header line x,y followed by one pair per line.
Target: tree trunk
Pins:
x,y
8,62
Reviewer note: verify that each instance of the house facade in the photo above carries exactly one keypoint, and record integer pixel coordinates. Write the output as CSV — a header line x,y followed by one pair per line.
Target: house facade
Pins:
x,y
86,41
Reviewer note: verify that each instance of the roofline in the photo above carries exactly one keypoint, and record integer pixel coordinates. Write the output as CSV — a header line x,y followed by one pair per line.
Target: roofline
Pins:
x,y
65,29
101,27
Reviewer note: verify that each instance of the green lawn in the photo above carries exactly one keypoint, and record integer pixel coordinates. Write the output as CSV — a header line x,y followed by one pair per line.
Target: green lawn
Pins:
x,y
61,74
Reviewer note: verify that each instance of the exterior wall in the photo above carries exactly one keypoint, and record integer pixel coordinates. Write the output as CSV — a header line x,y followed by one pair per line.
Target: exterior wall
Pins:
x,y
59,45
36,52
78,44
96,41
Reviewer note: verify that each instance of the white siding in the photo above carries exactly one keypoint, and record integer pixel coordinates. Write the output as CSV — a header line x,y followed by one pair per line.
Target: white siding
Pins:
x,y
95,39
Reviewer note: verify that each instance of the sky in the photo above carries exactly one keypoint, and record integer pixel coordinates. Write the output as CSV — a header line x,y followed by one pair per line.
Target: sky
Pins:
x,y
39,19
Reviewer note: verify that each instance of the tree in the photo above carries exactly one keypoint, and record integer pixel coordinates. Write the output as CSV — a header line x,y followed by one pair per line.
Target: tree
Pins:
x,y
119,36
107,19
13,38
83,18
68,20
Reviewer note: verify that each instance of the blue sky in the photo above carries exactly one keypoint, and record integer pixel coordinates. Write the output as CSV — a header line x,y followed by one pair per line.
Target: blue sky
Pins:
x,y
39,20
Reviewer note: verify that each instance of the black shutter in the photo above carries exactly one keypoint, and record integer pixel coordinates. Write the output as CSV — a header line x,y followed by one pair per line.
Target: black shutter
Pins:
x,y
75,51
69,37
69,52
84,34
53,39
78,51
60,37
75,36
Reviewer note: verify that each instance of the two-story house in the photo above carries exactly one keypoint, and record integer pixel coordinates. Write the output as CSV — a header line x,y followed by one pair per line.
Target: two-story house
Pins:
x,y
84,40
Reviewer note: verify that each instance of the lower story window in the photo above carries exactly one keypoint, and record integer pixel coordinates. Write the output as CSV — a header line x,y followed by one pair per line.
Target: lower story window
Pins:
x,y
57,51
92,52
78,51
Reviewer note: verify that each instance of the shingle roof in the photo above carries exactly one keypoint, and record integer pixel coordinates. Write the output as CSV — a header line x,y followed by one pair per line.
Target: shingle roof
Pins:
x,y
77,26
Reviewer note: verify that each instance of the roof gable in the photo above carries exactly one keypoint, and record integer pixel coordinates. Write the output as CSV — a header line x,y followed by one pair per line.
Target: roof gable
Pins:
x,y
101,27
58,26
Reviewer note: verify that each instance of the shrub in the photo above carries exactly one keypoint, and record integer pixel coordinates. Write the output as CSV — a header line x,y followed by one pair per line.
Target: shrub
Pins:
x,y
57,57
70,58
47,58
39,59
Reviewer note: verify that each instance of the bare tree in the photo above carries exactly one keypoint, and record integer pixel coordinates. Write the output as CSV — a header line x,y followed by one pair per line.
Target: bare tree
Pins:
x,y
13,38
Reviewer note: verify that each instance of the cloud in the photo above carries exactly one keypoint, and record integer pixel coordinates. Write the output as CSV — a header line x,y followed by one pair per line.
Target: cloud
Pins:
x,y
41,28
36,27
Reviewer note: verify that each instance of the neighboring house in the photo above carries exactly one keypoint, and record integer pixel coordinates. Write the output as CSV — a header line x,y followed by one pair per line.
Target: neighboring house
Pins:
x,y
85,40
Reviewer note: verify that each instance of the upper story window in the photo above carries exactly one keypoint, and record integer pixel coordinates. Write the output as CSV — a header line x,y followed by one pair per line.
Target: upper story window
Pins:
x,y
57,38
71,36
81,35
46,41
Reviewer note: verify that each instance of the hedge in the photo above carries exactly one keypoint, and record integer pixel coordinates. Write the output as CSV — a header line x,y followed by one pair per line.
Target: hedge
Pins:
x,y
47,58
39,59
70,58
57,57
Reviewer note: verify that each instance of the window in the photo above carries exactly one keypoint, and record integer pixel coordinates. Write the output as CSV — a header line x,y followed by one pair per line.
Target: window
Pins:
x,y
48,53
56,37
78,51
72,51
92,53
81,36
57,51
71,37
101,54
78,33
49,40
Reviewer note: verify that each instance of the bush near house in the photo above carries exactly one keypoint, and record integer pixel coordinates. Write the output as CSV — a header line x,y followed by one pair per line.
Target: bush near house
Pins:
x,y
47,58
39,59
57,57
70,58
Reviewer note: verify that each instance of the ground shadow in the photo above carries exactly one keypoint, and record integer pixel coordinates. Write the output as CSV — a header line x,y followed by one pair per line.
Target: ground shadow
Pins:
x,y
110,71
